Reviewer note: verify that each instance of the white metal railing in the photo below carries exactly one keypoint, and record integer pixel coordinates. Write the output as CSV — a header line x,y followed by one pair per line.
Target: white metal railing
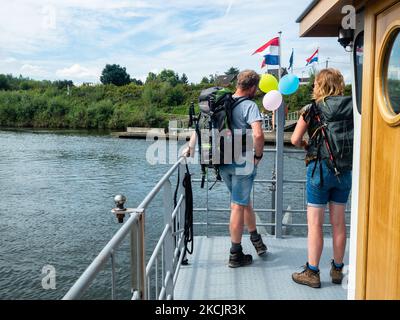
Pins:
x,y
165,261
267,122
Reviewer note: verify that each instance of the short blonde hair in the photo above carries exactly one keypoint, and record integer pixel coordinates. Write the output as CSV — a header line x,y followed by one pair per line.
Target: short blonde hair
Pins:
x,y
330,82
247,79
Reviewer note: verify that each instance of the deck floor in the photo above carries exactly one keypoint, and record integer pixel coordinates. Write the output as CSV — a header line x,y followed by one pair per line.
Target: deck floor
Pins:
x,y
208,277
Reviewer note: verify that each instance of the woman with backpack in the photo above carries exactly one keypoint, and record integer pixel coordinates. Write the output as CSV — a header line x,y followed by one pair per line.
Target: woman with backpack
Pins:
x,y
329,124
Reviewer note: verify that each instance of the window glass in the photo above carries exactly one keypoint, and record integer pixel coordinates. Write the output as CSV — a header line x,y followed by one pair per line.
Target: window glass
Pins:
x,y
392,81
358,64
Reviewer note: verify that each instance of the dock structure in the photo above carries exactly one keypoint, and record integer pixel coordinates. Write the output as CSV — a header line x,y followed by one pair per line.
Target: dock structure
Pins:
x,y
185,134
208,277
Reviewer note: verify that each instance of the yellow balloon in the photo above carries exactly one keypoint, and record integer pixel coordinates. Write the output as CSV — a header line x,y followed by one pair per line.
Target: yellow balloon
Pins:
x,y
268,83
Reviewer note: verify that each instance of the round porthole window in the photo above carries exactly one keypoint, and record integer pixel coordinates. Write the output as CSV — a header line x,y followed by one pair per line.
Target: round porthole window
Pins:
x,y
391,74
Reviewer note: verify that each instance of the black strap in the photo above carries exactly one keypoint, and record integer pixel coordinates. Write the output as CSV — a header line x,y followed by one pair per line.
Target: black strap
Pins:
x,y
239,101
188,218
322,131
203,167
188,228
318,160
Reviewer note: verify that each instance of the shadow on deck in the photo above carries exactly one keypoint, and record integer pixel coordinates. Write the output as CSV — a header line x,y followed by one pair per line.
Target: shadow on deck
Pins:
x,y
208,276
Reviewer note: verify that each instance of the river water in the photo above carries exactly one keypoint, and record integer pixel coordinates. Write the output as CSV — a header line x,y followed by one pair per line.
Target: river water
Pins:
x,y
56,192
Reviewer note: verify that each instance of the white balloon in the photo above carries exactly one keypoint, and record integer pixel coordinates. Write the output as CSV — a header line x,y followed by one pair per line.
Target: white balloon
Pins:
x,y
272,100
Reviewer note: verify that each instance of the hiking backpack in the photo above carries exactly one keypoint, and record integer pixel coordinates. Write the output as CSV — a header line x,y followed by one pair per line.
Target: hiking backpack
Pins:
x,y
334,136
214,129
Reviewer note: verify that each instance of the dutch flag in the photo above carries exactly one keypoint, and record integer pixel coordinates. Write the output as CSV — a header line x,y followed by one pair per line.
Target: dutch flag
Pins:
x,y
272,56
313,58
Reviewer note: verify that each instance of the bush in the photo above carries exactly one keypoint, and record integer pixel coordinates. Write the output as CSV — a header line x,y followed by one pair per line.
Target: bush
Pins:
x,y
99,114
175,96
26,102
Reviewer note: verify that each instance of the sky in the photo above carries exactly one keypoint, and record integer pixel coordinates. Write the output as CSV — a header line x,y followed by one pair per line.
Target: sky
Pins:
x,y
75,39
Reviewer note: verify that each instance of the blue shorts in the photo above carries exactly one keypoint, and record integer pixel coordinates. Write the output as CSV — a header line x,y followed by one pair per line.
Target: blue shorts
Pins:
x,y
333,190
239,179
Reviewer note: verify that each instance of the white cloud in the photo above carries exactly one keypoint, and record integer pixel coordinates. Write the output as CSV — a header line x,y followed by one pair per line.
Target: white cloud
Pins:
x,y
33,71
195,37
76,71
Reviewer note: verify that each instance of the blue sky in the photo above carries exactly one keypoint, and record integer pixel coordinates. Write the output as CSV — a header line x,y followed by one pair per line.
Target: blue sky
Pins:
x,y
74,39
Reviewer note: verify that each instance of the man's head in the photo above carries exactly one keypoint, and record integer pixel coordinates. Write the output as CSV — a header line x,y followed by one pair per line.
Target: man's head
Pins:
x,y
247,83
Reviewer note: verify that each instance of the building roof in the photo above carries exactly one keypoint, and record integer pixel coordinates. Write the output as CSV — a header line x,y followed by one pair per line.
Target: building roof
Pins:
x,y
225,80
323,18
307,10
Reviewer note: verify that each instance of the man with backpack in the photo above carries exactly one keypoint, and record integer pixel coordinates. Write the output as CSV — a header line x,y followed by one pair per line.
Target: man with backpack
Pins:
x,y
244,121
246,117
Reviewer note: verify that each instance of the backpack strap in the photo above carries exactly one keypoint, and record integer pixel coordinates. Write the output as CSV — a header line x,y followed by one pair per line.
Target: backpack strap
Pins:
x,y
229,110
239,101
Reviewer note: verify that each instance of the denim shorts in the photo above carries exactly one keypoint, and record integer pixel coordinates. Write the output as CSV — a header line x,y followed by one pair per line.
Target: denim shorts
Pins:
x,y
239,179
333,190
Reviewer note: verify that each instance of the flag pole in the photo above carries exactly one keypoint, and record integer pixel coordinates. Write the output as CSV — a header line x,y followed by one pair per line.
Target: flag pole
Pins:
x,y
280,55
280,121
293,60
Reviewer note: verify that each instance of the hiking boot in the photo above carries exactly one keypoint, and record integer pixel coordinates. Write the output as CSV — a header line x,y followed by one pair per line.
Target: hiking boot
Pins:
x,y
239,259
259,245
307,277
336,274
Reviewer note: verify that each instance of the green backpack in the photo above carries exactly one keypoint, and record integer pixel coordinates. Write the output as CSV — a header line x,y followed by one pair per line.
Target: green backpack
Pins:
x,y
333,140
214,129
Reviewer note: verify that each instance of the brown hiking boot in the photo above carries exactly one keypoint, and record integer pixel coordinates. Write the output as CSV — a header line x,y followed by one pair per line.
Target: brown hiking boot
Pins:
x,y
336,274
259,245
307,277
239,259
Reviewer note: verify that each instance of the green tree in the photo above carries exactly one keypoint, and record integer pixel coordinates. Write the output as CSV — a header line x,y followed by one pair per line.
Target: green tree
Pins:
x,y
4,84
232,71
169,76
63,84
115,74
205,80
137,82
211,79
151,77
184,79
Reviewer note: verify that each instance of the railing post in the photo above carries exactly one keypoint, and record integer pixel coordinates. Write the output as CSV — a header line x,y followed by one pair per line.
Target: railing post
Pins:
x,y
138,259
169,241
134,260
207,209
142,255
280,119
273,206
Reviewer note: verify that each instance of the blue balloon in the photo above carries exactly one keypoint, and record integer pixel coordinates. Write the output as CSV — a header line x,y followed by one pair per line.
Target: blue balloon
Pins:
x,y
289,84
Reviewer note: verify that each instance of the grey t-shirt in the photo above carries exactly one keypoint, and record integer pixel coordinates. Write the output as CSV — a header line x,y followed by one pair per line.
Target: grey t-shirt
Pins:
x,y
243,115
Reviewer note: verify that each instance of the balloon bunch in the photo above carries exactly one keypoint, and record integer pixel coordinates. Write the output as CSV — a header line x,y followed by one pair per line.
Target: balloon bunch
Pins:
x,y
274,90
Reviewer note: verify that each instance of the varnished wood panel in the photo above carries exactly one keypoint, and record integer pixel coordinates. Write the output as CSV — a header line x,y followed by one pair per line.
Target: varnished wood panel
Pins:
x,y
383,252
372,9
